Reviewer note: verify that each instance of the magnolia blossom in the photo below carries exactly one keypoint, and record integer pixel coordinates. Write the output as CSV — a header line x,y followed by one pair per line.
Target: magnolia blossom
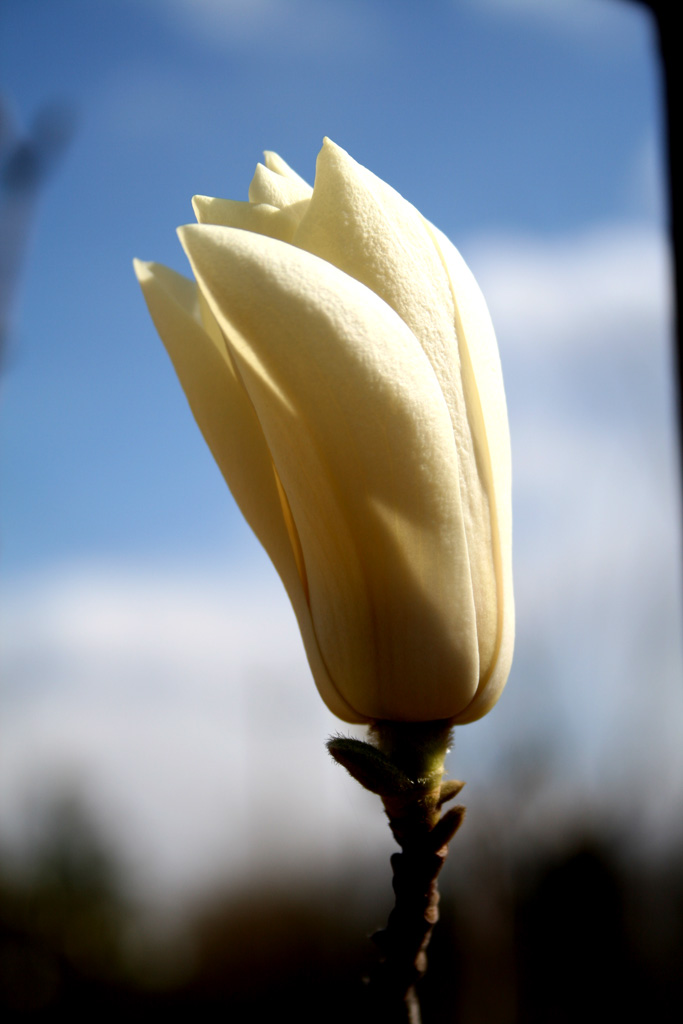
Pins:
x,y
340,361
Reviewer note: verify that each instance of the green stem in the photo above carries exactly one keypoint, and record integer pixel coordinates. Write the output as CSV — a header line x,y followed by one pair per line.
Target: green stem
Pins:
x,y
418,748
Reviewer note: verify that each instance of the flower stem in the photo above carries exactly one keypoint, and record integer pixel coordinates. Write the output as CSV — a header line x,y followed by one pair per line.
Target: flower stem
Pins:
x,y
405,767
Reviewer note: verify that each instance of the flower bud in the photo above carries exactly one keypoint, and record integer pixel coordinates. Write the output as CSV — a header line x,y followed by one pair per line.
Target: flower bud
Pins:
x,y
340,361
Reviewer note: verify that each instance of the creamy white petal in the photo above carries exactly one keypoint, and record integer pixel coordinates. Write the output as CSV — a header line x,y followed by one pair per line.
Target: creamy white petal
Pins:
x,y
362,225
484,386
274,162
270,187
258,217
227,420
355,420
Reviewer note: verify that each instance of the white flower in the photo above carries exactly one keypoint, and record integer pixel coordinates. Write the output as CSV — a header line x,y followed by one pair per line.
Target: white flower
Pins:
x,y
340,361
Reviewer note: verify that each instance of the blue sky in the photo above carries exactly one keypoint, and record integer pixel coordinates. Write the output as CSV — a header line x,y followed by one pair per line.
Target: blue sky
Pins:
x,y
149,656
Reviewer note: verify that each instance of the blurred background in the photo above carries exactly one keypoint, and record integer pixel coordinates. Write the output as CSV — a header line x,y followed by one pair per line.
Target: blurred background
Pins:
x,y
173,835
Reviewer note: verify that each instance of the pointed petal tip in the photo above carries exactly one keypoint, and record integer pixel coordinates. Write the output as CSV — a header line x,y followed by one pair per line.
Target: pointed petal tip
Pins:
x,y
201,240
331,146
142,269
275,163
186,231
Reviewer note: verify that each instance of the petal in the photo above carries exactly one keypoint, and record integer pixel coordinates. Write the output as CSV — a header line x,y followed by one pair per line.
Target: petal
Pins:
x,y
275,163
227,420
361,437
363,226
484,386
259,217
268,186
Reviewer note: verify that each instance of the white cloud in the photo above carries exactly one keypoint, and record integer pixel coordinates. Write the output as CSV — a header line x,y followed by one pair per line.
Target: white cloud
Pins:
x,y
298,26
604,290
180,708
583,323
607,22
